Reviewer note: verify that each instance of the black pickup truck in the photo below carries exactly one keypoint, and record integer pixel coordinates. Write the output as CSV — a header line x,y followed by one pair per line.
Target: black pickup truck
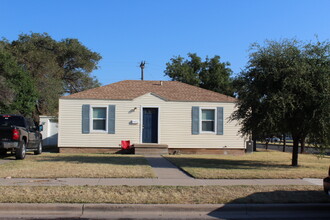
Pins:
x,y
19,135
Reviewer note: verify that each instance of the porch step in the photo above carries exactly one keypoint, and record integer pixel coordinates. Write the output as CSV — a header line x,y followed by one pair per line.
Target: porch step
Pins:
x,y
151,149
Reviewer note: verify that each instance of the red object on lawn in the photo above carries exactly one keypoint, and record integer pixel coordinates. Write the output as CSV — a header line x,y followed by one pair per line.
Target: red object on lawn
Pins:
x,y
125,145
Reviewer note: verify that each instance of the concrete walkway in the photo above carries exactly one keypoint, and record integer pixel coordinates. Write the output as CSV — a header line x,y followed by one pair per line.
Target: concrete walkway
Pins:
x,y
164,169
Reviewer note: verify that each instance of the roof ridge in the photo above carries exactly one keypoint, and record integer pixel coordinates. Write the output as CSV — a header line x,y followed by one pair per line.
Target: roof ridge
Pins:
x,y
203,88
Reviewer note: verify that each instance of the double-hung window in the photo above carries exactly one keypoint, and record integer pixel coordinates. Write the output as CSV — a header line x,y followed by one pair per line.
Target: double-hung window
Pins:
x,y
208,122
99,118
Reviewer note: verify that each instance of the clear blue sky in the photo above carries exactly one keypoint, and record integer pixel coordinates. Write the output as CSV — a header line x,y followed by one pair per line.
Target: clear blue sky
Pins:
x,y
126,32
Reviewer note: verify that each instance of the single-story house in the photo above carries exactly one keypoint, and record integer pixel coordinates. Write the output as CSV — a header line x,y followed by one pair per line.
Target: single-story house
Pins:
x,y
186,118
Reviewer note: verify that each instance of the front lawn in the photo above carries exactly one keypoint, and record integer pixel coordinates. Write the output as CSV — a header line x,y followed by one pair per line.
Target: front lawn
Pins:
x,y
61,165
163,194
259,165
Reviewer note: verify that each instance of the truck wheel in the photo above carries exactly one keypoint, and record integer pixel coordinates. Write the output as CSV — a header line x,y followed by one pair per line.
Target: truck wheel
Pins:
x,y
20,152
39,150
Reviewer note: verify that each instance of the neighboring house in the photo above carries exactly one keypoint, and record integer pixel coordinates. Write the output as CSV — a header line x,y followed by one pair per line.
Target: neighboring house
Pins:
x,y
188,119
50,130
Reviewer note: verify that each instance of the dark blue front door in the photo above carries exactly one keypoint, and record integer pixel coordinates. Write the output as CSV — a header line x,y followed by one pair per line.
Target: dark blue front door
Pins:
x,y
150,125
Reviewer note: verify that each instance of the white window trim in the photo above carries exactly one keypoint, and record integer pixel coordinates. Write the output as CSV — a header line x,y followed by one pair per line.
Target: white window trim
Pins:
x,y
201,119
91,119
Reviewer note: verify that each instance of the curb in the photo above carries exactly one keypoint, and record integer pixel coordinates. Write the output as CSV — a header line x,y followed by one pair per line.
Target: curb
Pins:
x,y
205,207
103,207
45,211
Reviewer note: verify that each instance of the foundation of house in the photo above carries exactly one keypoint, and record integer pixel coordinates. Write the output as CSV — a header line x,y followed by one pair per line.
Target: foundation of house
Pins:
x,y
159,149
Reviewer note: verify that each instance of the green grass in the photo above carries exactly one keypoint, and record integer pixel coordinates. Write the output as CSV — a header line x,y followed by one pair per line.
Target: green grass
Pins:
x,y
77,165
259,165
163,194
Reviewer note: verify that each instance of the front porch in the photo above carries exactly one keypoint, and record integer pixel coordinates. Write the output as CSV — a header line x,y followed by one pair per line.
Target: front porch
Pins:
x,y
151,149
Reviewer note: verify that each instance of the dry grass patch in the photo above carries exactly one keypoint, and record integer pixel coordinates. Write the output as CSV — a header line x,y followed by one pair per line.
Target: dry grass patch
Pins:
x,y
163,194
78,165
259,165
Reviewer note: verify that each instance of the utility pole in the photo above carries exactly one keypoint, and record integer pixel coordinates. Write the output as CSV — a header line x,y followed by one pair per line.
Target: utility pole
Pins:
x,y
142,64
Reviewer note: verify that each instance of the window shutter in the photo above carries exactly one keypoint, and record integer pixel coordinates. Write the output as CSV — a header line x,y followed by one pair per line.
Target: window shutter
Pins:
x,y
195,120
85,119
220,120
111,119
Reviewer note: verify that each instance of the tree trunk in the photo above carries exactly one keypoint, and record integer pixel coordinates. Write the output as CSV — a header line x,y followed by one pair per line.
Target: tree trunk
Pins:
x,y
266,145
302,144
295,151
35,118
254,141
284,142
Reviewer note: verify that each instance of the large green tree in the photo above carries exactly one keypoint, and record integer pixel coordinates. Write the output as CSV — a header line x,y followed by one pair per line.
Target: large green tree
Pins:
x,y
17,89
209,74
57,67
286,89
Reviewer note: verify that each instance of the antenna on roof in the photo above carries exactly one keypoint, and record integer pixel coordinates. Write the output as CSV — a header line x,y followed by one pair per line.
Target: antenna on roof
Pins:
x,y
142,64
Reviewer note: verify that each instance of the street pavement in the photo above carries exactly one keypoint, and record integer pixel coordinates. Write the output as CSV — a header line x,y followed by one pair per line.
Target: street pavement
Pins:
x,y
164,211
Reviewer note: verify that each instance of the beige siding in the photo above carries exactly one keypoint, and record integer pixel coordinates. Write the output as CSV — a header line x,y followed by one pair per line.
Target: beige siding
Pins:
x,y
174,127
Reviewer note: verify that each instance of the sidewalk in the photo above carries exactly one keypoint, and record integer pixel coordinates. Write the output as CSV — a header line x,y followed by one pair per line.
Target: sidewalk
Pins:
x,y
152,182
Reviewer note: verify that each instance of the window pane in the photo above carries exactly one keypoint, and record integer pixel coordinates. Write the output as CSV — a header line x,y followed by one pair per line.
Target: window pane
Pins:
x,y
12,120
99,125
208,114
99,113
208,126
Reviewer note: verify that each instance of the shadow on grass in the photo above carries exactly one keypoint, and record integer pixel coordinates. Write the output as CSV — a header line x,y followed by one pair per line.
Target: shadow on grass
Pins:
x,y
225,163
287,202
95,159
50,149
284,197
11,156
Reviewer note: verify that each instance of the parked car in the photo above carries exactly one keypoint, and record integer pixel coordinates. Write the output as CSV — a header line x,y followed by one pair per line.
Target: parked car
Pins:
x,y
326,183
276,139
19,135
273,139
